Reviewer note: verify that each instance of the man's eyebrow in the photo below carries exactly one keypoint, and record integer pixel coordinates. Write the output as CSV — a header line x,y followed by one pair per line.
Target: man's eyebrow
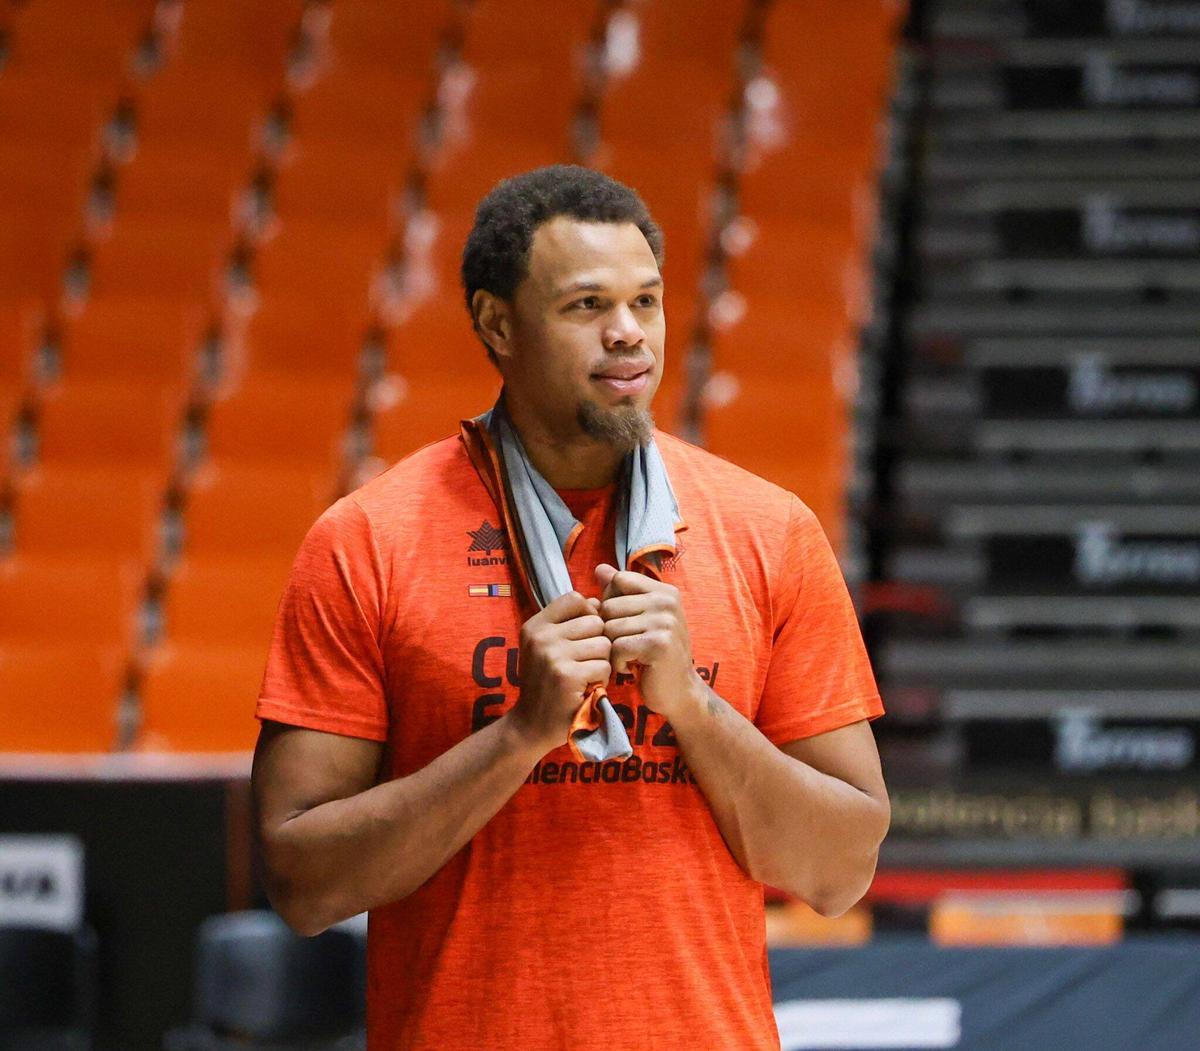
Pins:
x,y
592,286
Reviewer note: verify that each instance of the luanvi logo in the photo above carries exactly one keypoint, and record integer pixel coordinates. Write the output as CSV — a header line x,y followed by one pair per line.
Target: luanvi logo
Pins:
x,y
487,538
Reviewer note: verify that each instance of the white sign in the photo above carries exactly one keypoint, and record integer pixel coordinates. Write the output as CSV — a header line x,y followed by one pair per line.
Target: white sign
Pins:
x,y
903,1022
41,882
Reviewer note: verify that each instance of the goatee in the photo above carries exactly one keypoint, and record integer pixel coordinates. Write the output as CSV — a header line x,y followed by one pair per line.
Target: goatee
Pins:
x,y
624,427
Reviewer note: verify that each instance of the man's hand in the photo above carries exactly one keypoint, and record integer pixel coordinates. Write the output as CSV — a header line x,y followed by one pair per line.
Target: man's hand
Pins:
x,y
563,650
644,619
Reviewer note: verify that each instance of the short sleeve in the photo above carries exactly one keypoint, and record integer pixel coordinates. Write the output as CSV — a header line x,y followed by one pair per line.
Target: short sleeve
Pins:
x,y
325,667
819,677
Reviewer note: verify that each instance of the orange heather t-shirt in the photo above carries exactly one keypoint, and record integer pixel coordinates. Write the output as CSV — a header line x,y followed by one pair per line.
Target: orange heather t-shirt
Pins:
x,y
600,907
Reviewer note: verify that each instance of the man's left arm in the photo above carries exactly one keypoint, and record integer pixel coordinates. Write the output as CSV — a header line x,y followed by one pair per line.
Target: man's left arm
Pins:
x,y
807,817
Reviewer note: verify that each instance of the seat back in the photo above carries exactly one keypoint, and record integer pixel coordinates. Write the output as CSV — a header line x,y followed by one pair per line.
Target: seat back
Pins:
x,y
258,980
47,988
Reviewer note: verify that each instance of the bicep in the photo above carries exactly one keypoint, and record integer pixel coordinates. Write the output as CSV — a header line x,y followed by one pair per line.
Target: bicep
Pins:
x,y
847,753
296,769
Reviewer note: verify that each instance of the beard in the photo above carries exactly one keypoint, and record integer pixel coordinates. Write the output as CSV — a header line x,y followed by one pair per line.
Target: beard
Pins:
x,y
624,427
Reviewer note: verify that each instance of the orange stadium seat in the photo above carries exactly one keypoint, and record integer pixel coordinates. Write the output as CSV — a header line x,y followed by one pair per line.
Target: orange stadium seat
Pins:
x,y
105,514
348,183
216,108
51,35
375,109
437,268
50,107
247,40
60,698
436,341
10,407
786,338
807,266
790,433
54,601
828,115
431,409
328,259
43,187
137,340
41,176
836,201
365,34
688,103
707,37
180,260
539,32
200,698
679,196
305,336
805,47
523,105
252,510
226,601
471,173
109,425
170,180
283,419
20,319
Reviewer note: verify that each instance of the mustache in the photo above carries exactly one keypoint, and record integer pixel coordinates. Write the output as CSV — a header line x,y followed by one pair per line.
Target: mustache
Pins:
x,y
622,359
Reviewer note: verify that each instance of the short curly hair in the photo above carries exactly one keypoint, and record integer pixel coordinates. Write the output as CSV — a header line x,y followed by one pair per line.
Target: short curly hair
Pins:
x,y
496,255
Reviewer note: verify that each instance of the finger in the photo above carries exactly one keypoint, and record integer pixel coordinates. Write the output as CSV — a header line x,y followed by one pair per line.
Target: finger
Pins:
x,y
597,671
632,649
627,582
566,607
604,575
624,606
623,627
586,627
596,649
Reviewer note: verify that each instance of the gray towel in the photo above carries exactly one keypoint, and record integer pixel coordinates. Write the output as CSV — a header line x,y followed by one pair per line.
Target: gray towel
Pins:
x,y
647,515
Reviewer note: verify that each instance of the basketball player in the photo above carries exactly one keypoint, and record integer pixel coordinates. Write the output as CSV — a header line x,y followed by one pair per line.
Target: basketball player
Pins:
x,y
422,754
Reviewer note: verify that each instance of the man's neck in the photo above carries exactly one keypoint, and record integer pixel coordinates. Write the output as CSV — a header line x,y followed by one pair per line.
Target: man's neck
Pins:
x,y
574,462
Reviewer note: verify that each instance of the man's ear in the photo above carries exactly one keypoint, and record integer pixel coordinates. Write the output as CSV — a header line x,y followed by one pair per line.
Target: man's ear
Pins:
x,y
493,322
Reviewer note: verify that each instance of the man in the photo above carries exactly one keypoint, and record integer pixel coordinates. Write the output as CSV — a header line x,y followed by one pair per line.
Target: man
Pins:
x,y
418,757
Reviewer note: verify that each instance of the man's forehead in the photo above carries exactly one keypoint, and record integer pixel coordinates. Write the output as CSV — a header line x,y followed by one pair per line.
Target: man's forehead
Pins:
x,y
565,249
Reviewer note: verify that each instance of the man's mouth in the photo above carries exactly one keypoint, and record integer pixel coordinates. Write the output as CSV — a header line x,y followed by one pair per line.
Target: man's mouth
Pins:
x,y
622,370
623,378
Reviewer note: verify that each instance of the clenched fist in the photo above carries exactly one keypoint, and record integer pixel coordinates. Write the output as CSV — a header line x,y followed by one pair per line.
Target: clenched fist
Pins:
x,y
563,650
644,619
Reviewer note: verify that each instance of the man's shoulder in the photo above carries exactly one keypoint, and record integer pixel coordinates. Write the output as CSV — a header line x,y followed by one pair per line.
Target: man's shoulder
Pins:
x,y
698,475
434,477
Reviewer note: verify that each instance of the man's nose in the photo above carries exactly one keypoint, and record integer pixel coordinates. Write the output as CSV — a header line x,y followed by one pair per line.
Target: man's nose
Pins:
x,y
623,328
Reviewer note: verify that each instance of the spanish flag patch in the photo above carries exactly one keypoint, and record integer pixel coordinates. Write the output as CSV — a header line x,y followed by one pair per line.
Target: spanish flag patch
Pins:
x,y
489,590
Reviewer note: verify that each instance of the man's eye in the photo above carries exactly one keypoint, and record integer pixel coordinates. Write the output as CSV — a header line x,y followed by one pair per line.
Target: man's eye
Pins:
x,y
648,301
587,303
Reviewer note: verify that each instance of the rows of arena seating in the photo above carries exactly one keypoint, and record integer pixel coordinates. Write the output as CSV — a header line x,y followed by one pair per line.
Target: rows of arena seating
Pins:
x,y
231,238
1039,557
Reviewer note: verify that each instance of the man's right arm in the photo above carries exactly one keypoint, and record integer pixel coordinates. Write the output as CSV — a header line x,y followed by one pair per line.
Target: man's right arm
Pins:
x,y
335,843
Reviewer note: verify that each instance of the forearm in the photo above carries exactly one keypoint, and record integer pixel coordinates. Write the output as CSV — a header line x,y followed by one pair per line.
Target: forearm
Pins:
x,y
345,856
786,823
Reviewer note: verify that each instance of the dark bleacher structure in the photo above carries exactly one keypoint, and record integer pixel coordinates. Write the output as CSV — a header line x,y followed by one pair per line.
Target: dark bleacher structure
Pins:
x,y
1036,611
